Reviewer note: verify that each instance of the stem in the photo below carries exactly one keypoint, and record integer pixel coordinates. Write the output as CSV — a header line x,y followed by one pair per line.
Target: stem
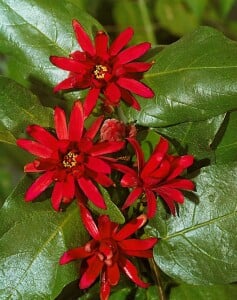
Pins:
x,y
158,280
147,22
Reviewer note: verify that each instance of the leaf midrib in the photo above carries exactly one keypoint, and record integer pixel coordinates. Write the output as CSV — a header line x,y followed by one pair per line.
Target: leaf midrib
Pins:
x,y
200,225
162,73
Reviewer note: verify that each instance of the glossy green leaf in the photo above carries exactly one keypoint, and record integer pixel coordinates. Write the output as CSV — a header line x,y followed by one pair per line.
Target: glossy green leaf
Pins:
x,y
204,292
33,30
19,108
195,138
112,210
227,148
194,79
32,238
199,245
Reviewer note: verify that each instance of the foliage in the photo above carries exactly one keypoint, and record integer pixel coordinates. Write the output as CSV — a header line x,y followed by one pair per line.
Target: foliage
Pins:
x,y
195,108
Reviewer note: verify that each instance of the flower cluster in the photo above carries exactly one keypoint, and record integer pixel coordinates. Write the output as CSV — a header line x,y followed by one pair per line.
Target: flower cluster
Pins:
x,y
76,159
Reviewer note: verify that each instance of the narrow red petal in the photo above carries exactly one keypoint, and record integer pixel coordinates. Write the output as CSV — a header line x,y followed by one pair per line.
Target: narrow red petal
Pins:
x,y
68,64
144,253
83,39
98,165
60,124
132,197
39,186
42,136
101,45
170,196
113,93
179,164
31,168
35,148
135,87
184,184
135,67
121,41
133,53
139,153
105,287
57,195
94,128
91,192
67,84
130,180
105,227
106,148
129,99
113,274
89,222
94,266
73,254
69,187
90,101
129,228
151,204
139,245
76,123
131,271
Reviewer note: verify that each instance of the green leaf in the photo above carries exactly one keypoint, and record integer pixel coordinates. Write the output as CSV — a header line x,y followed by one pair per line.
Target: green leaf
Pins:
x,y
137,15
194,138
199,245
227,149
175,16
33,237
19,108
33,30
202,292
194,79
112,210
226,6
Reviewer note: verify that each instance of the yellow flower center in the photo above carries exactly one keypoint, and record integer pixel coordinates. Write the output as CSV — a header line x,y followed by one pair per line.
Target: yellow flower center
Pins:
x,y
100,71
70,160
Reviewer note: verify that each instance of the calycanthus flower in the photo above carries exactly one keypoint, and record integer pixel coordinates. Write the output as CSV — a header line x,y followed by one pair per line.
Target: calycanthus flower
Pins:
x,y
111,71
106,253
71,159
159,176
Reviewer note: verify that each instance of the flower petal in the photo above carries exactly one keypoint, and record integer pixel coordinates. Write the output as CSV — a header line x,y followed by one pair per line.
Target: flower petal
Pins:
x,y
94,128
112,93
105,287
129,99
105,227
132,197
91,192
135,87
101,45
144,253
68,83
98,165
94,266
113,274
132,53
139,245
57,195
73,254
68,64
39,186
69,187
121,41
139,154
129,228
76,123
90,101
130,180
42,136
137,66
89,222
151,204
60,124
180,183
31,168
131,271
106,148
34,148
179,164
83,39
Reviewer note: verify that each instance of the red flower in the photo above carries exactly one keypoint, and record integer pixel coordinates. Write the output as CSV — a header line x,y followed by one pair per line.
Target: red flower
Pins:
x,y
106,254
69,158
159,176
115,130
110,71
